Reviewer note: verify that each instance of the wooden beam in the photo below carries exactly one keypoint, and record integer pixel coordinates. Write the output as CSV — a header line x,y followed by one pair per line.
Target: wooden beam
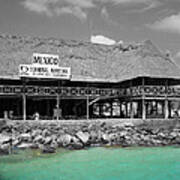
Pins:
x,y
93,101
154,98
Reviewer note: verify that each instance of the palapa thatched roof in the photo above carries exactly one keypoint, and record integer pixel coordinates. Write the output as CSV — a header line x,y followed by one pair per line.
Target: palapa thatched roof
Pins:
x,y
88,62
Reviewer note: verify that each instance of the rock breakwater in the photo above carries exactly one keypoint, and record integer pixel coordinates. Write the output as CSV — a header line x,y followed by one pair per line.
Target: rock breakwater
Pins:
x,y
49,135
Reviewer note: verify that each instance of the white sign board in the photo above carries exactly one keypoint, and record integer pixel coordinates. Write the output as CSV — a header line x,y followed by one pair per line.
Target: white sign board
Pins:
x,y
44,71
45,59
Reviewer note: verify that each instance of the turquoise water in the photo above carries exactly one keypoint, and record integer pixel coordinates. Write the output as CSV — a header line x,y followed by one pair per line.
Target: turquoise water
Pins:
x,y
94,164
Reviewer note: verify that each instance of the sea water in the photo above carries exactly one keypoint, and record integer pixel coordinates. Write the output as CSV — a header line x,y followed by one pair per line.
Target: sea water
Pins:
x,y
162,163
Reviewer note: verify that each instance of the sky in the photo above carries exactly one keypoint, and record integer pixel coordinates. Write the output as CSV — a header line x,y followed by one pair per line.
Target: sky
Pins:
x,y
120,20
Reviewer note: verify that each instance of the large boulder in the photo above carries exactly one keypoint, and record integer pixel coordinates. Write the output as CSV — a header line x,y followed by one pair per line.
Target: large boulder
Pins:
x,y
64,140
93,136
113,136
91,127
78,145
3,123
123,134
38,139
106,138
36,133
4,139
128,124
6,125
54,144
75,139
161,135
25,146
25,137
177,140
45,133
48,149
83,136
16,142
75,143
99,135
5,149
173,135
48,140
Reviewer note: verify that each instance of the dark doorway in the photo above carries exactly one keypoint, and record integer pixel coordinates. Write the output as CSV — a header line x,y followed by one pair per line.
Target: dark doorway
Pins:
x,y
11,107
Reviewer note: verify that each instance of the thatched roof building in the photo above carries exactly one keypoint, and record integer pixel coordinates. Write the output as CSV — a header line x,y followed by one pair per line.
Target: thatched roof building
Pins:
x,y
88,62
124,81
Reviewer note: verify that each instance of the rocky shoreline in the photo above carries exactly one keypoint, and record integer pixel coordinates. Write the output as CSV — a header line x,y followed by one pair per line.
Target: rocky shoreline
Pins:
x,y
48,136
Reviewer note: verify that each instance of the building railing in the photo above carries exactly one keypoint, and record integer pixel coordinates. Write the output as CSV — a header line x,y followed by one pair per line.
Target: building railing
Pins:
x,y
154,91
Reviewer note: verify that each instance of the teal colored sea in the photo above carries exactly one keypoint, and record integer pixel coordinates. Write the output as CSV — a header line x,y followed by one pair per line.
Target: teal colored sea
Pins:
x,y
162,163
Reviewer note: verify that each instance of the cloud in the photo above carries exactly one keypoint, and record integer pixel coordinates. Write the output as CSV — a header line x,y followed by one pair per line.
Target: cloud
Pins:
x,y
78,8
168,24
75,11
148,6
104,13
148,3
106,17
81,3
152,5
100,39
58,7
177,56
131,1
37,6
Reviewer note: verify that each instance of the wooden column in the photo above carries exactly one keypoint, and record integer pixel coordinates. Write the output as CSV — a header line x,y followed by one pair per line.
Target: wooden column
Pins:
x,y
126,106
131,102
57,102
87,107
24,100
143,101
111,109
120,108
24,106
166,109
131,109
166,104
